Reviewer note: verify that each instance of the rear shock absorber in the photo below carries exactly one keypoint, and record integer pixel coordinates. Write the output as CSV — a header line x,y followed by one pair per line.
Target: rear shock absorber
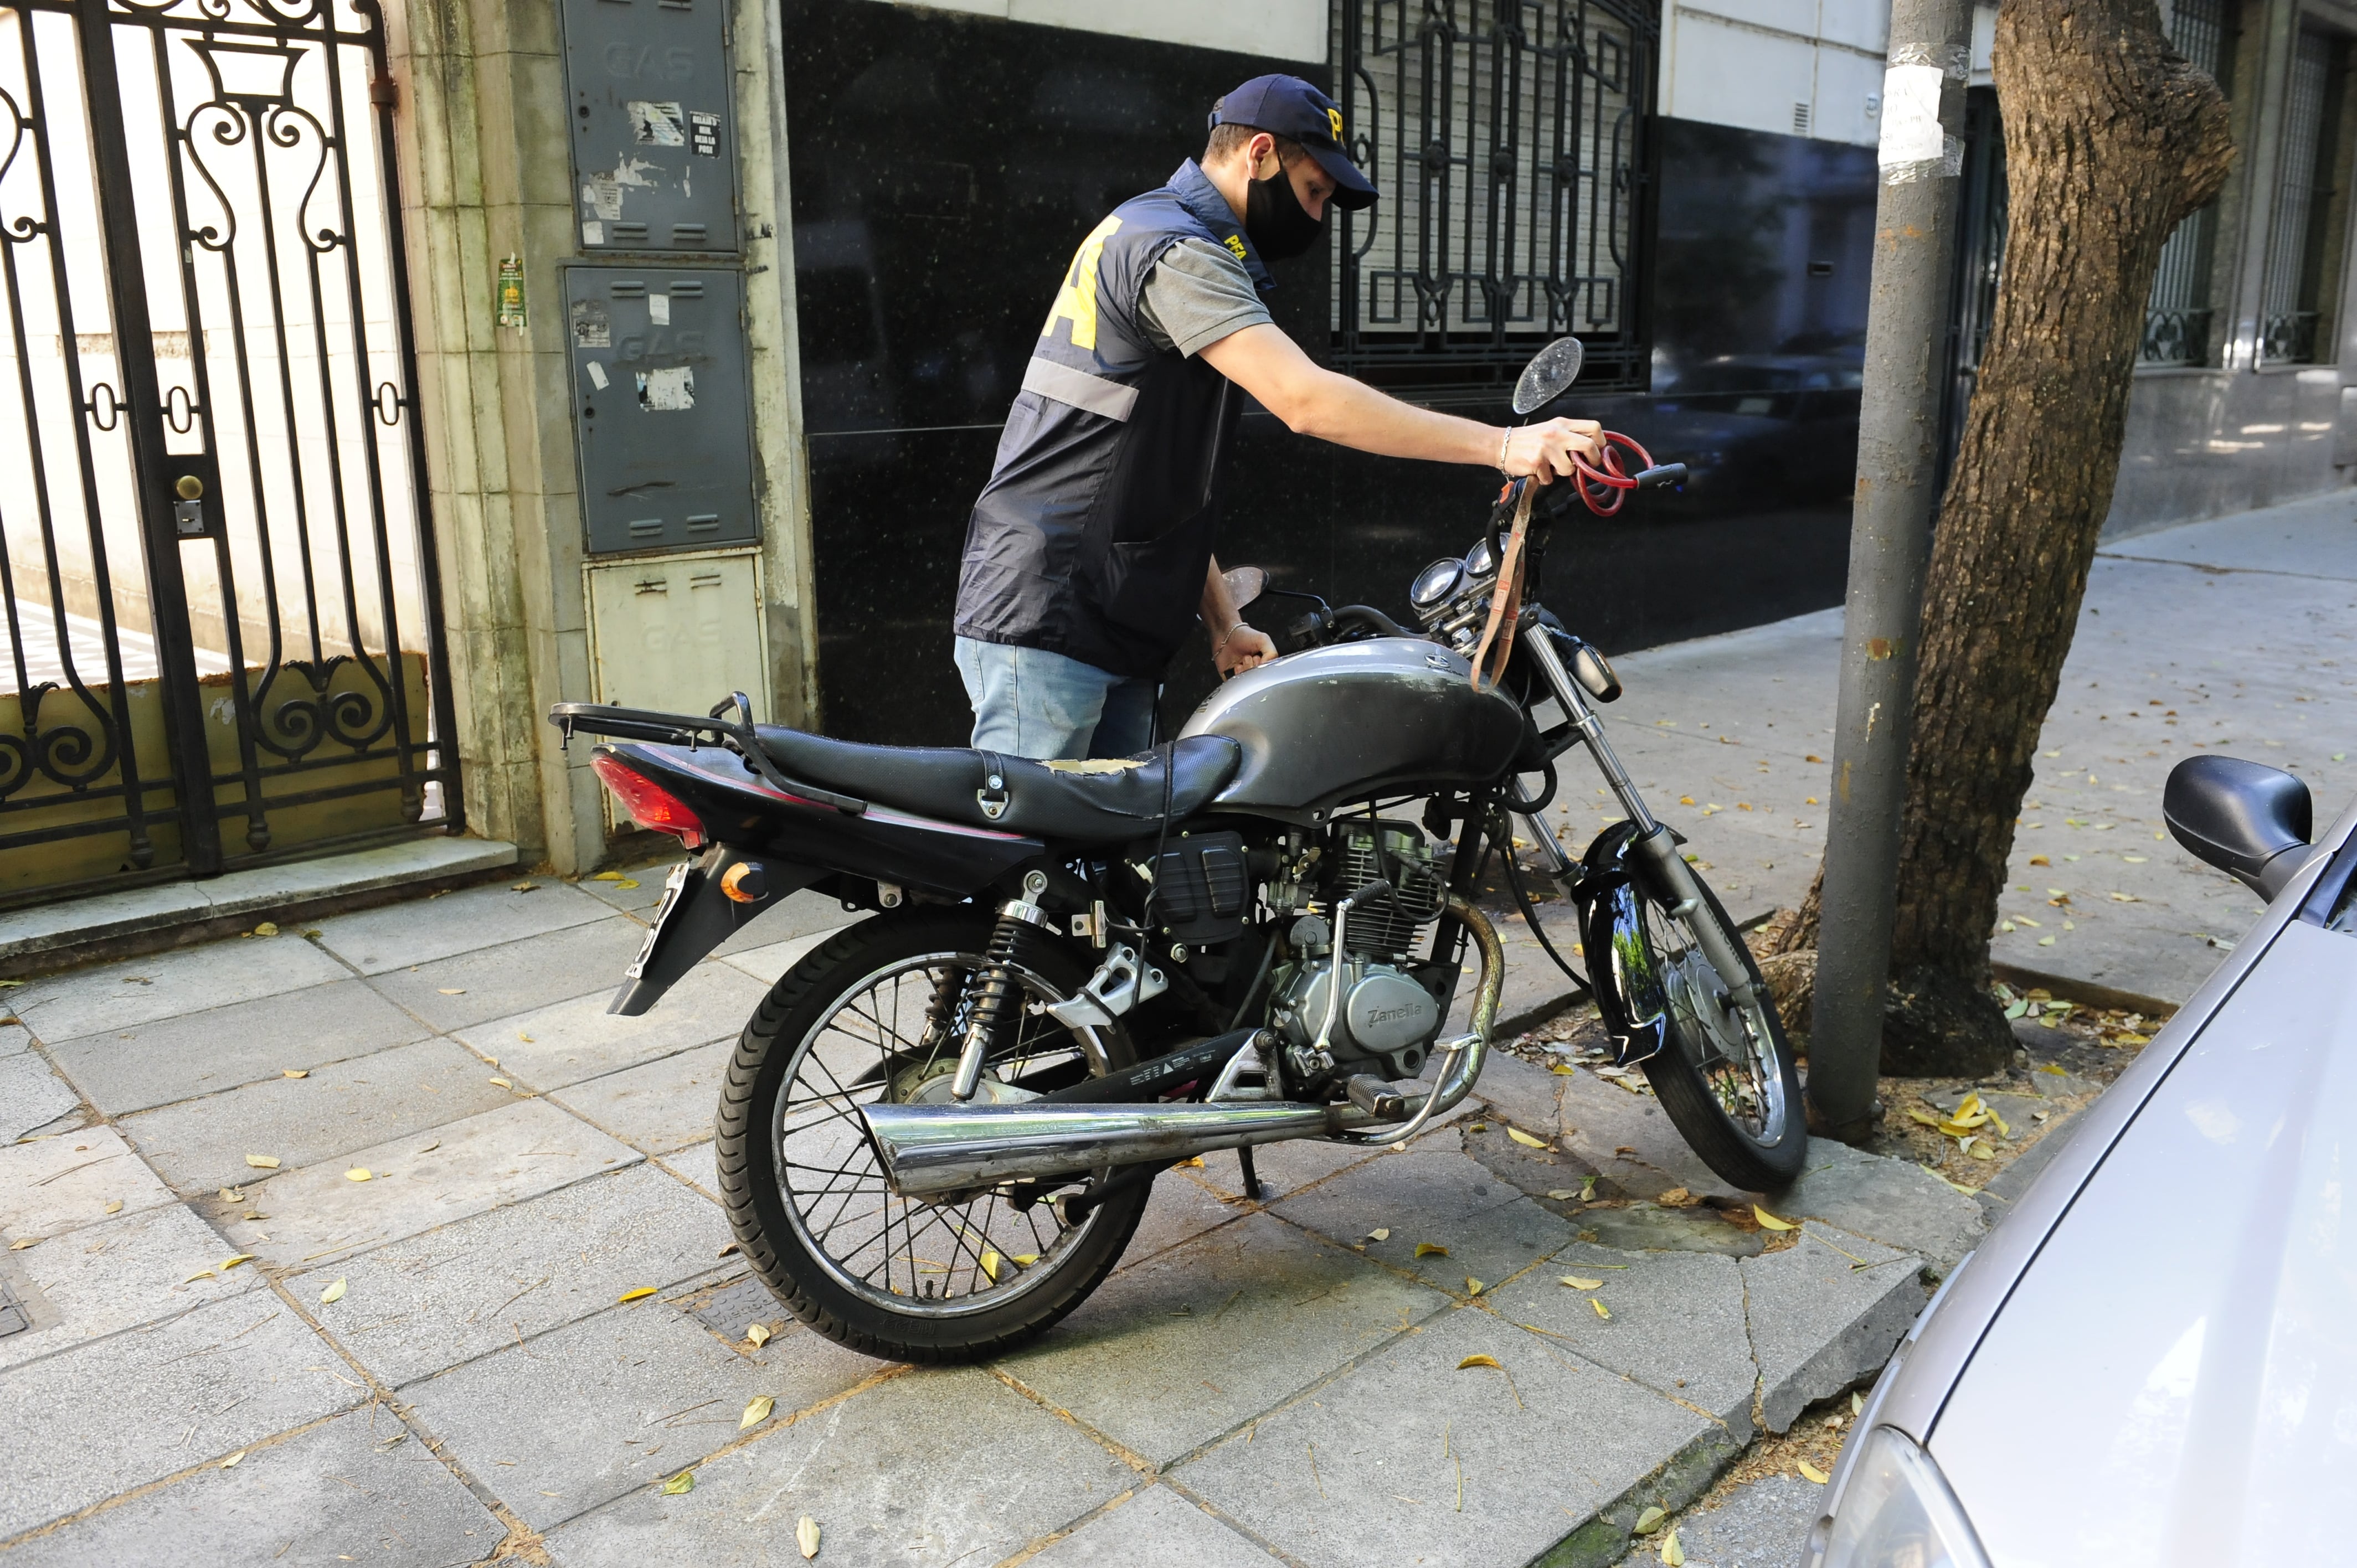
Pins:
x,y
1014,943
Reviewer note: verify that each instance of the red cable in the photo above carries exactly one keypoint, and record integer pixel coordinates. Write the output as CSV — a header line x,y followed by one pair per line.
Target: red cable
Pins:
x,y
1612,481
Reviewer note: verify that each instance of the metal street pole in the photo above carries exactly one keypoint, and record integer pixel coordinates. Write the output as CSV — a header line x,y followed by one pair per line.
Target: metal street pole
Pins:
x,y
1898,438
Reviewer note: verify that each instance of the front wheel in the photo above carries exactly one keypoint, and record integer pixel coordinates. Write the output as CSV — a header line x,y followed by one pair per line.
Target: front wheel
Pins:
x,y
1725,1072
878,1014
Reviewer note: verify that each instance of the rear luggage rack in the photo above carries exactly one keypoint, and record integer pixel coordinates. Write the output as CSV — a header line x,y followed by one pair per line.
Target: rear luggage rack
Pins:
x,y
685,729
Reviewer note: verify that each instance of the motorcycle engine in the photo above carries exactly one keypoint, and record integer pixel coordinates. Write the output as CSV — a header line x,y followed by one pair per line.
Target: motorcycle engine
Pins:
x,y
1386,1016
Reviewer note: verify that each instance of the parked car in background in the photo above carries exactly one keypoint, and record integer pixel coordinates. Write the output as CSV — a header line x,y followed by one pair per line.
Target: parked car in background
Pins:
x,y
2151,1360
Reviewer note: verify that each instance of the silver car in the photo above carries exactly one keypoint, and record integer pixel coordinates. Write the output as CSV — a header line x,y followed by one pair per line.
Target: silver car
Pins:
x,y
2154,1358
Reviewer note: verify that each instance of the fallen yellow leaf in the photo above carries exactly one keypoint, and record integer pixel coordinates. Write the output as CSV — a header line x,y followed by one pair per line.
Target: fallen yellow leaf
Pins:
x,y
626,883
1811,1472
1925,1117
1673,1554
266,929
1479,1361
359,1172
1678,1198
1565,1068
1380,1233
639,1292
990,1265
1473,1286
1430,1250
806,1535
22,1242
1770,1221
199,1275
293,1072
1601,1310
114,1206
333,1293
262,1162
1576,1283
758,1333
608,876
1563,1194
1525,1138
231,1194
1650,1521
503,1083
231,1462
1024,1260
452,989
757,1411
226,1264
682,1482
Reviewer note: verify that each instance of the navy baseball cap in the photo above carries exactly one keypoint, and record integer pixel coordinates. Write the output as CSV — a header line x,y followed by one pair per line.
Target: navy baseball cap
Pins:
x,y
1289,106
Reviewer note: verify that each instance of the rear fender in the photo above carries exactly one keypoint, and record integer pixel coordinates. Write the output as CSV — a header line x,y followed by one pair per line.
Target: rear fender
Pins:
x,y
1628,994
697,915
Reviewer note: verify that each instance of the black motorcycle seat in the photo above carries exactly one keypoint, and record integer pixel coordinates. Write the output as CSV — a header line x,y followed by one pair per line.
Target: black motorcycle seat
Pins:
x,y
1098,802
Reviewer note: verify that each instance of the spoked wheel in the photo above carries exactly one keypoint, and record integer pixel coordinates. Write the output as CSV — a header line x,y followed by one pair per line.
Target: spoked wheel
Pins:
x,y
878,1014
1725,1073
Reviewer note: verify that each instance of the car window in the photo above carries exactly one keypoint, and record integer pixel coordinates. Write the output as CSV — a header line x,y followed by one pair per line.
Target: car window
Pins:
x,y
2334,904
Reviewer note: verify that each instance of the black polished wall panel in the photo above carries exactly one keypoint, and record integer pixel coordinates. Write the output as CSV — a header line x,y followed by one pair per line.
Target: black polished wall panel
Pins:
x,y
944,169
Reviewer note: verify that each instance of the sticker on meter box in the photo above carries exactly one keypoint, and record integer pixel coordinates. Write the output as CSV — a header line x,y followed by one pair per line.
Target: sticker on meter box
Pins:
x,y
703,133
656,125
667,391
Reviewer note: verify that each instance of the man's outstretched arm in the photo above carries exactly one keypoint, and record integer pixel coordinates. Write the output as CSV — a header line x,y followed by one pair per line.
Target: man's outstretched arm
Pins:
x,y
1313,401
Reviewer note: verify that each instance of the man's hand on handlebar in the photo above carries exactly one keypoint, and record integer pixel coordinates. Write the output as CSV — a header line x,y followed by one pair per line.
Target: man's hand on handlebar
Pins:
x,y
1244,648
1543,451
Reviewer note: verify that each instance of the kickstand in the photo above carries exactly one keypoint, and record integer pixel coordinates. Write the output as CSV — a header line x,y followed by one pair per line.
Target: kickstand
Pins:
x,y
1252,1178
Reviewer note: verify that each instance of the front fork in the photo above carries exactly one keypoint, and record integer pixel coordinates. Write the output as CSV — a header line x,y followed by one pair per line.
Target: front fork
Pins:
x,y
1671,880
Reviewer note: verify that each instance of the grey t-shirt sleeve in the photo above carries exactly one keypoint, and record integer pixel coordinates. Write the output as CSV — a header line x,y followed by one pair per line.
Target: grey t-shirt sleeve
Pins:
x,y
1197,295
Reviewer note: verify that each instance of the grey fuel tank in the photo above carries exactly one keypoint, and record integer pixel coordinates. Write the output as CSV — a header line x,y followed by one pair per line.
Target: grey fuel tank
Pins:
x,y
1335,725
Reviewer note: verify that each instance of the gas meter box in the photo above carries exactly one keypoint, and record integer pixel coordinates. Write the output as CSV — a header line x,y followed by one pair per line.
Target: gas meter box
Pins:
x,y
654,135
660,406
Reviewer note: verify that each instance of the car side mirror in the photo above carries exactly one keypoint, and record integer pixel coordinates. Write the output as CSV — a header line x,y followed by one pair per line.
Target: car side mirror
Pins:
x,y
2249,821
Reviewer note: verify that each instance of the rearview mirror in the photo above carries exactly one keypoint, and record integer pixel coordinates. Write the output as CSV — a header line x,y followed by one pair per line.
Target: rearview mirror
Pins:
x,y
1245,584
1549,374
2249,821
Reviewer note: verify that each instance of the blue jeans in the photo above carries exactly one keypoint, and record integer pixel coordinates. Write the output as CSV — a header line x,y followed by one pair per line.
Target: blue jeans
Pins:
x,y
1030,702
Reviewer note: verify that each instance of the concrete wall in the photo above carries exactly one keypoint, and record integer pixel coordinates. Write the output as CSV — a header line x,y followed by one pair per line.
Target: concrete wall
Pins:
x,y
486,173
1280,29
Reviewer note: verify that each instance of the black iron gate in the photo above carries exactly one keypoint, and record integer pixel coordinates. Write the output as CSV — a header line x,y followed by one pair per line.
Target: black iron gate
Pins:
x,y
222,604
1512,142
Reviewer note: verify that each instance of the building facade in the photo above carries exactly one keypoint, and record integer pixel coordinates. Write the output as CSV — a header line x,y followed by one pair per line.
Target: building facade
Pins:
x,y
642,350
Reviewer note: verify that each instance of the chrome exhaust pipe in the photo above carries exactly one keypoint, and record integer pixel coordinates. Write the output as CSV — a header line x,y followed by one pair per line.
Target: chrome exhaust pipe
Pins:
x,y
931,1150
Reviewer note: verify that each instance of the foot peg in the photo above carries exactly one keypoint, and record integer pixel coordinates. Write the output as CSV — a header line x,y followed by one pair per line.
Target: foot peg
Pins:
x,y
1376,1098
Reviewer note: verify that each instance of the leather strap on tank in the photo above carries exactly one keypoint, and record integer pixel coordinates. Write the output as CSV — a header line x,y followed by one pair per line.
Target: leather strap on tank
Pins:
x,y
1506,600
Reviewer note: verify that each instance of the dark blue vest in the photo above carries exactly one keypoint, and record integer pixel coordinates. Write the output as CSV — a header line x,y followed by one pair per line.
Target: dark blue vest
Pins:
x,y
1092,538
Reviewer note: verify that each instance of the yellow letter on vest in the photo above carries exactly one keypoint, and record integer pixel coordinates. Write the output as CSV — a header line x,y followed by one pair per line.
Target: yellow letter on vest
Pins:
x,y
1077,300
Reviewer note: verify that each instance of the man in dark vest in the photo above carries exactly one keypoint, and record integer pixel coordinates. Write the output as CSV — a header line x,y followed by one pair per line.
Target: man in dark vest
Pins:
x,y
1088,558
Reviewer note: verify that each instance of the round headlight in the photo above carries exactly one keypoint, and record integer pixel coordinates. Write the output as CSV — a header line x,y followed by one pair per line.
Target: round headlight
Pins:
x,y
1435,584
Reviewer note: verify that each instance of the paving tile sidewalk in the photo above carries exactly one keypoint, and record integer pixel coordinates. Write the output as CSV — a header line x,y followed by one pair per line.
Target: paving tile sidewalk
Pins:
x,y
527,1162
1262,1380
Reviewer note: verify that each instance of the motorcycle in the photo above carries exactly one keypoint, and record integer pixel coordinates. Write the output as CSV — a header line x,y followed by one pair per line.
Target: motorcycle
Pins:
x,y
940,1128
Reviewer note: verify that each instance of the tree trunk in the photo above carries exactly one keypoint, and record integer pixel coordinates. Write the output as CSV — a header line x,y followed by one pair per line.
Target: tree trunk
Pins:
x,y
2110,138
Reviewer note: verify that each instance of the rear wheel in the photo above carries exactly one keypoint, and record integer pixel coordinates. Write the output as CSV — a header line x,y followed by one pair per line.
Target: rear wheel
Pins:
x,y
878,1014
1725,1073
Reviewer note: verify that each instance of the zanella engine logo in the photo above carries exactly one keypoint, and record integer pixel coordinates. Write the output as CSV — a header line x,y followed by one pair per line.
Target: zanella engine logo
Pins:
x,y
1389,1015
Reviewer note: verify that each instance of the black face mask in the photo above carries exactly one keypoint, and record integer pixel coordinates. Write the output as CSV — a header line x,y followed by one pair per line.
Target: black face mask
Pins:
x,y
1280,227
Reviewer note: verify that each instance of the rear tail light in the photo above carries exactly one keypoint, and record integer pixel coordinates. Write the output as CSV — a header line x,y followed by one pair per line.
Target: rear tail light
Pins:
x,y
649,804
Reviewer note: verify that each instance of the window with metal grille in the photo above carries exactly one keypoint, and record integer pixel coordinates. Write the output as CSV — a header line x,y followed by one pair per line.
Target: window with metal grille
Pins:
x,y
2179,316
1509,138
2294,295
